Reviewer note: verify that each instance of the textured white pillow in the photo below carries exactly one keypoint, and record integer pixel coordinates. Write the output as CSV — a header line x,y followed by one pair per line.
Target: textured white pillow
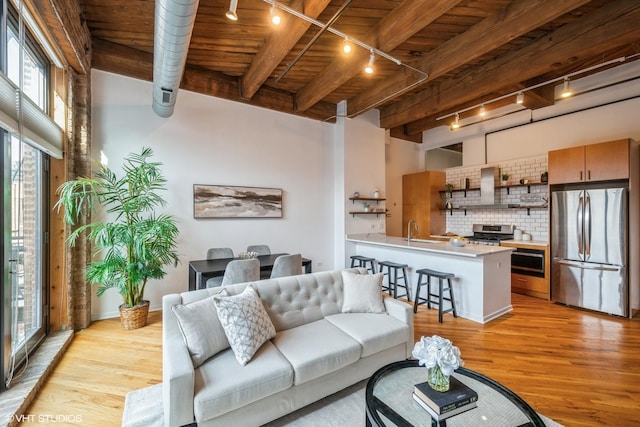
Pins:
x,y
201,329
362,293
245,322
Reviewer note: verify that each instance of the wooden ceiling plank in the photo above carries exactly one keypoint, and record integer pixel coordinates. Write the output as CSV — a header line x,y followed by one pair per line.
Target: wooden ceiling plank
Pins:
x,y
69,31
518,18
400,133
130,62
601,30
404,21
278,45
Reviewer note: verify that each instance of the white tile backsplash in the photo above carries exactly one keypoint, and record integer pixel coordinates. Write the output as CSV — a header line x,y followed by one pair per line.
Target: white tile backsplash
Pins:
x,y
536,222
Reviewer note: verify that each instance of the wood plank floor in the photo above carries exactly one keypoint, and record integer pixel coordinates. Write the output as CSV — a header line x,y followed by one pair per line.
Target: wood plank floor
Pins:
x,y
576,367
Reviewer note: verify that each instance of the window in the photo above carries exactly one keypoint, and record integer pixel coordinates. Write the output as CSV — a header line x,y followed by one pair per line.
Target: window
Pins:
x,y
24,208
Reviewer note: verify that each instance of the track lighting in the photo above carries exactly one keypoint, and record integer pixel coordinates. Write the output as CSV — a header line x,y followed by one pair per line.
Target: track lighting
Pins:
x,y
275,17
369,68
231,13
456,122
520,98
566,89
483,111
346,45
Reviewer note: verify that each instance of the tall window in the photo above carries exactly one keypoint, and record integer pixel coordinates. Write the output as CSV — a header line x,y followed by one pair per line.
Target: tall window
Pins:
x,y
24,204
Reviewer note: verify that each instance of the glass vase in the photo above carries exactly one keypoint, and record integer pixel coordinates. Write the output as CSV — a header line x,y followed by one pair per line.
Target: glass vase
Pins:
x,y
437,380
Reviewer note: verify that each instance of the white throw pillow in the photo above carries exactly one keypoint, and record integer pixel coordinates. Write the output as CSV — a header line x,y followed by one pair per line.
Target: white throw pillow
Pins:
x,y
362,293
201,329
245,322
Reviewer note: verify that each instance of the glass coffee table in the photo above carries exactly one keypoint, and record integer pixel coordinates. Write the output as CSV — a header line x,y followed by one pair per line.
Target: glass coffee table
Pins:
x,y
389,400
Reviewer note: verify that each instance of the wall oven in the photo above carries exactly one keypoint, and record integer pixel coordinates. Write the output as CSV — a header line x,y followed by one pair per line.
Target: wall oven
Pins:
x,y
529,262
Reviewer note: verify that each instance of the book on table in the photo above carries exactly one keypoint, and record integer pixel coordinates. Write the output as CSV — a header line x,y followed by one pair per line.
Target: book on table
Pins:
x,y
458,395
451,413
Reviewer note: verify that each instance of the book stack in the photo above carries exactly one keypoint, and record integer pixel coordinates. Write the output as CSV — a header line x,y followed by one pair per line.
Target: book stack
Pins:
x,y
441,405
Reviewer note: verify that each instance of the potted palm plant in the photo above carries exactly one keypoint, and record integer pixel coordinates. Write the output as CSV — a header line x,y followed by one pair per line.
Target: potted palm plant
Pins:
x,y
137,243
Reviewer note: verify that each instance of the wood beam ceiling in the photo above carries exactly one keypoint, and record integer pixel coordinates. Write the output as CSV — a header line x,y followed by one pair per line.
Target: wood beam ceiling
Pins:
x,y
605,29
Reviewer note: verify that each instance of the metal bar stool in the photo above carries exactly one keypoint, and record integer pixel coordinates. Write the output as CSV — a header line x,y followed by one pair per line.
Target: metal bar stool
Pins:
x,y
440,295
361,261
393,282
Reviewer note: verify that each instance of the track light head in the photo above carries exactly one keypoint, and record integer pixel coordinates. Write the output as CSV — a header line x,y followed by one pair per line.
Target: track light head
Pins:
x,y
520,98
346,45
231,13
275,16
566,89
483,111
369,68
456,122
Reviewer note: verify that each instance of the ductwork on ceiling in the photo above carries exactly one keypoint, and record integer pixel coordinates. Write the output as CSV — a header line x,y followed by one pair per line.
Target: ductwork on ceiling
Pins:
x,y
174,21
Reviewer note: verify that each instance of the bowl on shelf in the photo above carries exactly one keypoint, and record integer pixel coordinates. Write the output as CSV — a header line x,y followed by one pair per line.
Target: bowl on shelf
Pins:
x,y
458,241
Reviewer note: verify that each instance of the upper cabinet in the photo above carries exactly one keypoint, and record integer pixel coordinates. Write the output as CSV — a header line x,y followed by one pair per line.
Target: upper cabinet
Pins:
x,y
421,202
597,162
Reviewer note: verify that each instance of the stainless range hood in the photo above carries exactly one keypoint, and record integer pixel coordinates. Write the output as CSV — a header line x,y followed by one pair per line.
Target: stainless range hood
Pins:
x,y
488,199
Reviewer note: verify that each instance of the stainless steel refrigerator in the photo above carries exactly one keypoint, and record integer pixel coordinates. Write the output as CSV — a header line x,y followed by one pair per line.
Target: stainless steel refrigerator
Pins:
x,y
589,249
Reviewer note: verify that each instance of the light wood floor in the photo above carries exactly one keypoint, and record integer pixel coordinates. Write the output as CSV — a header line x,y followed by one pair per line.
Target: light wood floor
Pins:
x,y
576,367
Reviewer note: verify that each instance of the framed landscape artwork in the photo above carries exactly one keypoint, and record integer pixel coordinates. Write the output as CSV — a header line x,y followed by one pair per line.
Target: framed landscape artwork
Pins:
x,y
227,201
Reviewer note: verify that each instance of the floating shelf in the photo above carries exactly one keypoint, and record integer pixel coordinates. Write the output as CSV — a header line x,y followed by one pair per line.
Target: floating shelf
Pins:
x,y
366,199
376,213
508,187
520,207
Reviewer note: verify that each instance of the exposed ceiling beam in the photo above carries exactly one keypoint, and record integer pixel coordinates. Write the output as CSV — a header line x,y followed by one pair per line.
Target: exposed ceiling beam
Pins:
x,y
399,132
605,29
278,45
63,19
401,23
130,62
514,20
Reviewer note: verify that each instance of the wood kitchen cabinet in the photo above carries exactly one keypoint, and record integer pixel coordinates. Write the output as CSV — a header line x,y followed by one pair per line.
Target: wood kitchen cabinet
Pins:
x,y
597,162
531,285
421,202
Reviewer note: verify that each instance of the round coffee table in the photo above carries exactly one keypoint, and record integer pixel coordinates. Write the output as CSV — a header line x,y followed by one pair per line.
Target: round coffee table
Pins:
x,y
389,400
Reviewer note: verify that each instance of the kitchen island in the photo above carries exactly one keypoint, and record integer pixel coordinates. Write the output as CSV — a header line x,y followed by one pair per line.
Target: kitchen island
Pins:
x,y
482,286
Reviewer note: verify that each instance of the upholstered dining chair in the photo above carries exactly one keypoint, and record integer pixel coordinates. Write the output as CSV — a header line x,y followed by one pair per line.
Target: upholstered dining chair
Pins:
x,y
241,270
287,265
217,253
259,249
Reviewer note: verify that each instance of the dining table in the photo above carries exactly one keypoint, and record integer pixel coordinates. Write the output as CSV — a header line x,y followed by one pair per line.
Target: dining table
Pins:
x,y
202,270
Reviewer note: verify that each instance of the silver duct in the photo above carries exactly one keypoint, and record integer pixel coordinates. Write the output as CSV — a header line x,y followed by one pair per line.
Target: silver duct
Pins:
x,y
174,21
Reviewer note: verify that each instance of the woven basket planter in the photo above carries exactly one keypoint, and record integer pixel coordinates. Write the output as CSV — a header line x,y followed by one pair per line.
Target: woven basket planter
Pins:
x,y
134,317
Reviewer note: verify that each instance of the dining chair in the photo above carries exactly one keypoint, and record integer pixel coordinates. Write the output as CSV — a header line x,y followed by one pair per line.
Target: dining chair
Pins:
x,y
259,249
217,253
241,270
287,265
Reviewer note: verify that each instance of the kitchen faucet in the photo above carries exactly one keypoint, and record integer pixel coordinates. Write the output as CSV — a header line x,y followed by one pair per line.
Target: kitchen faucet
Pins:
x,y
415,226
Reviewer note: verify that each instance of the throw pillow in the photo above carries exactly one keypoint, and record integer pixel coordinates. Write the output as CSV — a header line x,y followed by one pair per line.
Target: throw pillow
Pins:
x,y
201,329
362,293
245,322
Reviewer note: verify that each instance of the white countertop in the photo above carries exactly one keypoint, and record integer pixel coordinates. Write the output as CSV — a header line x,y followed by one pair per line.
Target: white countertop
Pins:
x,y
526,242
427,246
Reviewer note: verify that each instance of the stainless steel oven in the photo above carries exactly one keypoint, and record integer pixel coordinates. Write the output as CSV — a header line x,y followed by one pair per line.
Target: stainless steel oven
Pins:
x,y
529,262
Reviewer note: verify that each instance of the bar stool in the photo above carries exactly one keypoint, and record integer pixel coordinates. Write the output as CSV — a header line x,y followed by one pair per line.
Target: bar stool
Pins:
x,y
361,261
393,282
440,295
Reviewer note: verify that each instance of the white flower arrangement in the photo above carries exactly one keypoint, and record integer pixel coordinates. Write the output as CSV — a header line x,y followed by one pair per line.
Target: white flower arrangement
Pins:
x,y
438,351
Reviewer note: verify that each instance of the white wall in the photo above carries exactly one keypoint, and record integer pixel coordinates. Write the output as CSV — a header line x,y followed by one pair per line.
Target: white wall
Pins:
x,y
401,158
214,141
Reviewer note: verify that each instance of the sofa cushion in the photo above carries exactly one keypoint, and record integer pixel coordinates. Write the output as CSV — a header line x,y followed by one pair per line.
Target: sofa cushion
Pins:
x,y
245,322
374,332
222,385
316,349
201,329
362,293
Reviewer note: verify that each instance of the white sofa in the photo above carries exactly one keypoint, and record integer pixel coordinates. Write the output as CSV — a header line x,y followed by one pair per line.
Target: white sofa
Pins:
x,y
317,351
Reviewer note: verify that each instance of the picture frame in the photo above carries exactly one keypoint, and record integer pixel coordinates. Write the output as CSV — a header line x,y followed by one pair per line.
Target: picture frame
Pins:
x,y
230,201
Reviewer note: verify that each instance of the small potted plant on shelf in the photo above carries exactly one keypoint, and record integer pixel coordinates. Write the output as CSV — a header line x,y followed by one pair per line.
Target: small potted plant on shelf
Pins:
x,y
136,243
448,187
505,178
